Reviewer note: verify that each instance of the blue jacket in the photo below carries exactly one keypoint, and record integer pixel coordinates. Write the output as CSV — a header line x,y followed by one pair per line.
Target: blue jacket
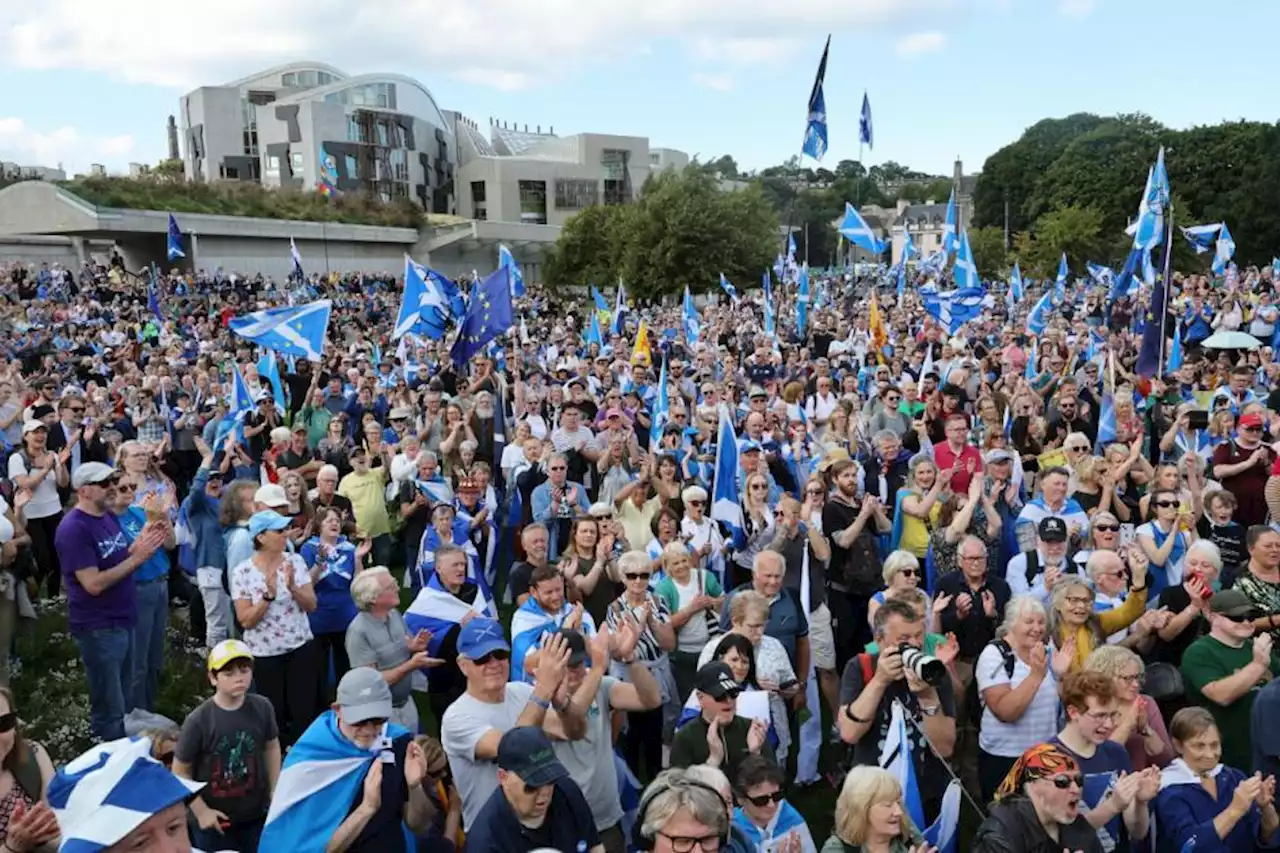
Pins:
x,y
202,519
1185,811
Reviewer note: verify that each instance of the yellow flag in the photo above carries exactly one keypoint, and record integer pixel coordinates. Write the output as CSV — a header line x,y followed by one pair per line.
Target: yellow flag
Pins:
x,y
640,353
876,326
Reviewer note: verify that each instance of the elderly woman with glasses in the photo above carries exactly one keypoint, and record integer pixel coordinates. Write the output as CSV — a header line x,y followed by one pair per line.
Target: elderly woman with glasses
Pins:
x,y
1140,728
902,575
1075,626
706,544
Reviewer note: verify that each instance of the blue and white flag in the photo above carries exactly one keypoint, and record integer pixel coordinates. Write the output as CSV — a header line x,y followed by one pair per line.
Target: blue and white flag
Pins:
x,y
935,263
1015,284
1224,250
909,249
944,834
661,409
1038,319
619,311
726,505
729,288
299,330
865,134
173,241
105,794
949,226
1174,360
770,324
505,259
1148,229
1100,274
430,303
856,230
895,756
966,271
297,261
269,370
438,611
321,778
602,304
815,129
803,296
593,332
1202,237
1060,283
1107,421
689,318
529,624
1033,360
952,309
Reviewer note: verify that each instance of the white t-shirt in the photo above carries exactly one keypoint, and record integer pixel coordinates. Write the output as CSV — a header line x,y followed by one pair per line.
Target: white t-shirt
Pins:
x,y
465,722
1038,722
44,501
6,526
694,635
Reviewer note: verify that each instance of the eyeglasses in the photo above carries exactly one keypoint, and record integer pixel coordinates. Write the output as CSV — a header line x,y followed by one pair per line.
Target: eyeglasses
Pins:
x,y
76,410
892,399
758,487
764,799
814,493
973,558
1107,528
1062,783
635,576
1135,678
372,723
1237,618
911,573
9,721
496,654
1079,600
686,843
1166,504
1251,429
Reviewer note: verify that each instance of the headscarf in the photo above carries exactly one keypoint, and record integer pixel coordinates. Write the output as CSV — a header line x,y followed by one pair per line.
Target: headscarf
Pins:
x,y
1043,761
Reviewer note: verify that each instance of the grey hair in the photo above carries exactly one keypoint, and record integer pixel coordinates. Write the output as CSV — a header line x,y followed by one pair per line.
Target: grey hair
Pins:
x,y
694,493
1210,550
677,790
468,445
326,470
1096,562
428,454
896,562
969,539
367,584
761,556
886,435
712,777
633,562
551,457
1013,611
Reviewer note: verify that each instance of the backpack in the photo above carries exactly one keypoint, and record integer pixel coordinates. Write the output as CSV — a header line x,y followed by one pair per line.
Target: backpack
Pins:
x,y
973,699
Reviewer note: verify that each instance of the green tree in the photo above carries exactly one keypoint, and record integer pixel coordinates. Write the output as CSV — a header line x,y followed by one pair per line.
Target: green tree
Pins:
x,y
1076,231
850,169
912,192
588,247
988,251
939,190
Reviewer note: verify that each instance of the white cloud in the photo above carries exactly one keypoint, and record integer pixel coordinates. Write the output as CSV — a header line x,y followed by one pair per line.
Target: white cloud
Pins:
x,y
505,43
719,82
1076,8
75,151
930,42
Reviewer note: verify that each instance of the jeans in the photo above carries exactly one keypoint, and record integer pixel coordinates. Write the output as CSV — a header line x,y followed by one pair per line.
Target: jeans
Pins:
x,y
107,654
148,641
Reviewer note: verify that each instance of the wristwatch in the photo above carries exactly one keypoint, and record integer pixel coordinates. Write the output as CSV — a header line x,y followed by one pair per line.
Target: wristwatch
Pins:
x,y
930,710
266,597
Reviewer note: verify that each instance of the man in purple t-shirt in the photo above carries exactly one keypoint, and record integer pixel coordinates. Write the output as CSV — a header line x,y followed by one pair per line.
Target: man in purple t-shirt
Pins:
x,y
97,572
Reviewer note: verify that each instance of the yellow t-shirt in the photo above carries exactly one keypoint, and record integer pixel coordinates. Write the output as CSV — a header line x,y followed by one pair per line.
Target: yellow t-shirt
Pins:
x,y
915,533
367,493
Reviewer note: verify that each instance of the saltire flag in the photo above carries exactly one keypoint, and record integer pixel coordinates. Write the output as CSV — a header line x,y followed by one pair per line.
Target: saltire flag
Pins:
x,y
1174,361
430,303
1038,319
322,776
299,330
954,308
1015,283
1125,282
1060,283
966,271
489,314
944,835
153,294
770,324
802,301
865,135
240,404
729,289
439,611
949,226
1107,421
1033,360
505,259
619,311
593,332
602,304
497,351
875,324
1201,237
1148,230
661,409
909,249
726,504
529,624
1151,350
815,130
902,281
1100,274
935,263
895,756
692,325
925,370
269,369
1148,270
1094,349
173,241
641,352
856,230
1224,250
767,284
297,261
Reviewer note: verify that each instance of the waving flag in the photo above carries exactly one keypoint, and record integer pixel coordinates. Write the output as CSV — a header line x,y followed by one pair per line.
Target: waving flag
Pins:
x,y
505,259
944,834
1033,361
1202,237
1038,319
299,330
875,325
1125,283
692,325
803,297
770,323
925,370
1015,283
641,352
429,304
661,409
865,135
321,777
1100,274
593,332
1060,283
1224,250
1148,230
949,226
489,314
909,249
173,241
856,230
1174,361
602,304
966,271
297,261
269,369
767,284
815,132
895,756
1107,421
619,311
438,611
1151,350
729,288
1275,269
726,505
954,308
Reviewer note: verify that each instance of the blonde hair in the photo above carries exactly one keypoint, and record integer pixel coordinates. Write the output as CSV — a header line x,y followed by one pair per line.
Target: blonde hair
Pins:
x,y
896,562
863,788
745,603
1111,659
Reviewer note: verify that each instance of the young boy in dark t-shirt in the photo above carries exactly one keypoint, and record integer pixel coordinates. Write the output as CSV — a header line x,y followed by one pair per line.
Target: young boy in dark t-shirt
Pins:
x,y
231,742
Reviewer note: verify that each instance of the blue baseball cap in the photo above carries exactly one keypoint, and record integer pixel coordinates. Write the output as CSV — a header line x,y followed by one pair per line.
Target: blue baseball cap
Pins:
x,y
748,446
527,752
268,519
479,637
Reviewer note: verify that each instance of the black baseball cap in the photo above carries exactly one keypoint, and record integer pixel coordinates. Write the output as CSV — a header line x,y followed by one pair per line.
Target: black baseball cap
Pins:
x,y
716,680
1052,529
577,646
527,752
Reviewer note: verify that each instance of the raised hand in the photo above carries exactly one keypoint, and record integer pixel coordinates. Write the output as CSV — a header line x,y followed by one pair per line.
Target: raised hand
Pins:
x,y
372,793
989,603
756,736
1063,658
964,604
415,765
552,661
31,827
948,650
715,747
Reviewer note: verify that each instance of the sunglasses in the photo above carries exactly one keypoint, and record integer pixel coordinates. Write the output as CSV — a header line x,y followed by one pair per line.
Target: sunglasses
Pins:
x,y
496,654
1166,504
911,573
1107,528
694,503
1236,618
9,721
758,487
1251,429
635,576
1062,783
815,493
764,799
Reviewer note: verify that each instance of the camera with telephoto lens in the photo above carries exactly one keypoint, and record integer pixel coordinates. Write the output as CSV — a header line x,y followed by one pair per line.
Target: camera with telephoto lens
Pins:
x,y
927,668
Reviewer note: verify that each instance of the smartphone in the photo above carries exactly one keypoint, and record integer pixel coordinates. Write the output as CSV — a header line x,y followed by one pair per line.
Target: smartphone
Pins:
x,y
1198,419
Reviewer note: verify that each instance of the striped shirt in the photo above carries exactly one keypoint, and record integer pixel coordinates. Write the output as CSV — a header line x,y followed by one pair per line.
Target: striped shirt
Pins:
x,y
647,648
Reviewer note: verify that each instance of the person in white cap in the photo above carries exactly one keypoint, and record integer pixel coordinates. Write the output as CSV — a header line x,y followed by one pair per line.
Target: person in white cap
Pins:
x,y
97,567
117,798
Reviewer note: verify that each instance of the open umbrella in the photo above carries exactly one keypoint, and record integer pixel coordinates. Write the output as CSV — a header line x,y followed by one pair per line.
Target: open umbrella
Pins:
x,y
1230,340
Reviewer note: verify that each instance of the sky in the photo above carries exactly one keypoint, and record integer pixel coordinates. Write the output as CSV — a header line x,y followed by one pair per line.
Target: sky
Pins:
x,y
93,82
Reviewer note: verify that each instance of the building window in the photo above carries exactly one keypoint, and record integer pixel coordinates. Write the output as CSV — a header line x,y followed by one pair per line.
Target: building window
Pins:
x,y
617,179
289,80
533,202
575,193
478,192
353,170
295,163
653,158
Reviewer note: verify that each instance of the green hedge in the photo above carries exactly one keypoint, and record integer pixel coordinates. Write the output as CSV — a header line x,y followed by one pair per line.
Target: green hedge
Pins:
x,y
243,199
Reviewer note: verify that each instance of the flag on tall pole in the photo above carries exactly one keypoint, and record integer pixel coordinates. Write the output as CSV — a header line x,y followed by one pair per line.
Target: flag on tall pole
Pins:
x,y
297,260
173,241
949,226
153,293
865,135
619,311
506,259
726,506
815,132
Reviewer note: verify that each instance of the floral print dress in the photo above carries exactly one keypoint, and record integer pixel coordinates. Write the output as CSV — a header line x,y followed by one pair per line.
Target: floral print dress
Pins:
x,y
285,627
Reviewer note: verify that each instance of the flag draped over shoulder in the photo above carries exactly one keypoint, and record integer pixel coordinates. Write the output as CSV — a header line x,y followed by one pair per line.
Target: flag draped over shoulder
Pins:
x,y
320,780
438,611
297,330
528,626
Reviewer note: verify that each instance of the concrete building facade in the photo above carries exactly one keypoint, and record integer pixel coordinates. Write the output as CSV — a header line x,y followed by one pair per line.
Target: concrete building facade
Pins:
x,y
925,221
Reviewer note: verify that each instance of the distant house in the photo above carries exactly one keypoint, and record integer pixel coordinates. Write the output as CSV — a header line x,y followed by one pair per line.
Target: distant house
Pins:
x,y
925,221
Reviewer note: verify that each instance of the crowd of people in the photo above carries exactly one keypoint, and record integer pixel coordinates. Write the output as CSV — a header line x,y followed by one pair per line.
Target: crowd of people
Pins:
x,y
522,603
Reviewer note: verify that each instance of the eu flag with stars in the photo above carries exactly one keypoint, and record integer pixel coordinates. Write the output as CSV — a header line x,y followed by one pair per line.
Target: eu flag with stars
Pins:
x,y
488,315
1150,354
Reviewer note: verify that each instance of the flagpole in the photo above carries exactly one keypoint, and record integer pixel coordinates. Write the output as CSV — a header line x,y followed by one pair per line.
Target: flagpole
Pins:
x,y
964,792
1167,273
822,70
